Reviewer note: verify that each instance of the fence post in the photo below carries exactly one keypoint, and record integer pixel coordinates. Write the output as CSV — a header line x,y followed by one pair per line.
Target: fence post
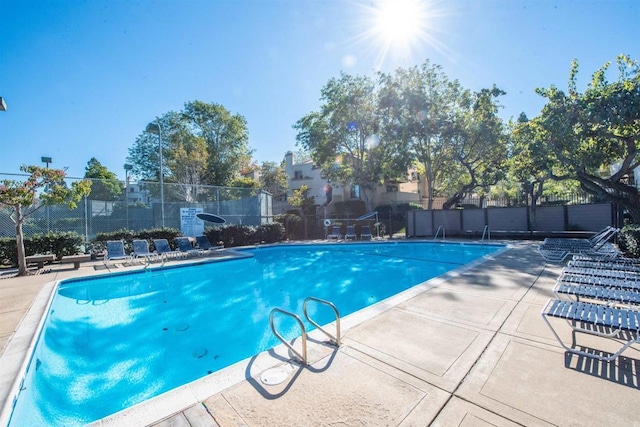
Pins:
x,y
86,221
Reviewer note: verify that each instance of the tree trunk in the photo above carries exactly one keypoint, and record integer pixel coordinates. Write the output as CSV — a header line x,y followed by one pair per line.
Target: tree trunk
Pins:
x,y
22,262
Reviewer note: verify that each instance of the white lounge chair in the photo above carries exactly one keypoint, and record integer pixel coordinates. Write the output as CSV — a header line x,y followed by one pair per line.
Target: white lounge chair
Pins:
x,y
621,324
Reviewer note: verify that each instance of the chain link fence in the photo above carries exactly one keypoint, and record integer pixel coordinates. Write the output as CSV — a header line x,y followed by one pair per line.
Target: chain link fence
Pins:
x,y
138,206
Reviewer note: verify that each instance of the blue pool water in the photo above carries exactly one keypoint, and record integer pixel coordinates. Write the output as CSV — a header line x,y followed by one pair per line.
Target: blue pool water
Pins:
x,y
113,341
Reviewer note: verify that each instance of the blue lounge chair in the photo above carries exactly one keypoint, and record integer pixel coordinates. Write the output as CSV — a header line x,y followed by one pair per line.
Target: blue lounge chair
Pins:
x,y
115,251
335,234
205,245
164,250
351,233
185,246
141,250
365,233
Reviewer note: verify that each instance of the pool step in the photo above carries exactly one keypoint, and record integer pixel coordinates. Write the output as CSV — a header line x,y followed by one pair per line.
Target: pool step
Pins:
x,y
335,339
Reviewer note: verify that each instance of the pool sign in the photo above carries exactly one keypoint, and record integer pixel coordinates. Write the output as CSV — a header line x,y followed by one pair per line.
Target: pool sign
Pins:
x,y
190,224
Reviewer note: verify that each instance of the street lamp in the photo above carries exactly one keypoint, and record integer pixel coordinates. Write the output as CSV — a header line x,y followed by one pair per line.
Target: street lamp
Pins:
x,y
127,168
47,160
3,105
155,129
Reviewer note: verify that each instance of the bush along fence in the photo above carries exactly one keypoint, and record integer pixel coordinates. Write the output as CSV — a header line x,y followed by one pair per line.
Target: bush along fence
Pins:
x,y
69,243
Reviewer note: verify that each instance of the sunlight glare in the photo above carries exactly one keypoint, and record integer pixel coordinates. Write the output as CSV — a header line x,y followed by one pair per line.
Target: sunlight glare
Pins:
x,y
399,21
398,29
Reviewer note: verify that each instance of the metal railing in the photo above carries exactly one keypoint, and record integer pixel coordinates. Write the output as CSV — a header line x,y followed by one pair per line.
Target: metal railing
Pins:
x,y
335,339
302,356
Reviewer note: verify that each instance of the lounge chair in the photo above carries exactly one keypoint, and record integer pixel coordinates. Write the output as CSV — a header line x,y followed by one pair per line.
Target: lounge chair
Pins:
x,y
351,233
365,232
115,251
335,234
557,254
620,324
604,234
141,250
606,294
164,250
185,246
205,245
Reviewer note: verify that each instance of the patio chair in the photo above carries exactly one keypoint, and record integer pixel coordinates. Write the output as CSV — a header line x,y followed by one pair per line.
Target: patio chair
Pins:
x,y
115,251
335,234
351,233
619,324
141,250
185,246
613,264
605,294
164,250
575,244
205,245
365,232
557,254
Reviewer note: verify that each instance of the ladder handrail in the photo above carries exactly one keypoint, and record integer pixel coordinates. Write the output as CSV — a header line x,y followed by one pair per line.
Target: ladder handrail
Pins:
x,y
302,356
487,232
438,232
336,339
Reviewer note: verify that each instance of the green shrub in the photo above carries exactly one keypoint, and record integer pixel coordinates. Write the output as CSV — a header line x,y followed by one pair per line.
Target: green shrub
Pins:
x,y
60,244
122,234
629,240
292,224
270,233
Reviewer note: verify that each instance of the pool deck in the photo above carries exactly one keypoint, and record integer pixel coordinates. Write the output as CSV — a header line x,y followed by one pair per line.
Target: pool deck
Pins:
x,y
467,350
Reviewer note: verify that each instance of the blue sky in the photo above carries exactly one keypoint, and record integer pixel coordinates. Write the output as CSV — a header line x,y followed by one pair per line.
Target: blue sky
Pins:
x,y
82,79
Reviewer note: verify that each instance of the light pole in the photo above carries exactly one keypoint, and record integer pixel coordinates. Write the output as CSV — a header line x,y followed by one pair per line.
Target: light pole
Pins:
x,y
3,104
127,168
47,160
155,129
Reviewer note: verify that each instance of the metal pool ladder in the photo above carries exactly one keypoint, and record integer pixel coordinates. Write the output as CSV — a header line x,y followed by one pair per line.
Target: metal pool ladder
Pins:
x,y
303,356
438,233
486,232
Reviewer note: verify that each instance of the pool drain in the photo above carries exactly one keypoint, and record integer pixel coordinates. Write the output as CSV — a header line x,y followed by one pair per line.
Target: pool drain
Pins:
x,y
274,376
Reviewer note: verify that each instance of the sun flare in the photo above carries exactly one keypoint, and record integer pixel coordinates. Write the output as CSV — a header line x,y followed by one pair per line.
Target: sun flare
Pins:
x,y
397,29
400,21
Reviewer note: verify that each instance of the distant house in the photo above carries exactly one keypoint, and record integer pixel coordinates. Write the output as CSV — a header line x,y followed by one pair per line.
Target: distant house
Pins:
x,y
406,189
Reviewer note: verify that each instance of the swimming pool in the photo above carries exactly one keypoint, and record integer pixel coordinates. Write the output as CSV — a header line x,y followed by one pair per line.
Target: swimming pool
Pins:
x,y
110,342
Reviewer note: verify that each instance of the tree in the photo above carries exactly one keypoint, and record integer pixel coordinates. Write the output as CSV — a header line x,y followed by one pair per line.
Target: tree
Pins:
x,y
43,187
419,104
478,145
106,185
343,138
274,179
301,200
595,135
204,144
